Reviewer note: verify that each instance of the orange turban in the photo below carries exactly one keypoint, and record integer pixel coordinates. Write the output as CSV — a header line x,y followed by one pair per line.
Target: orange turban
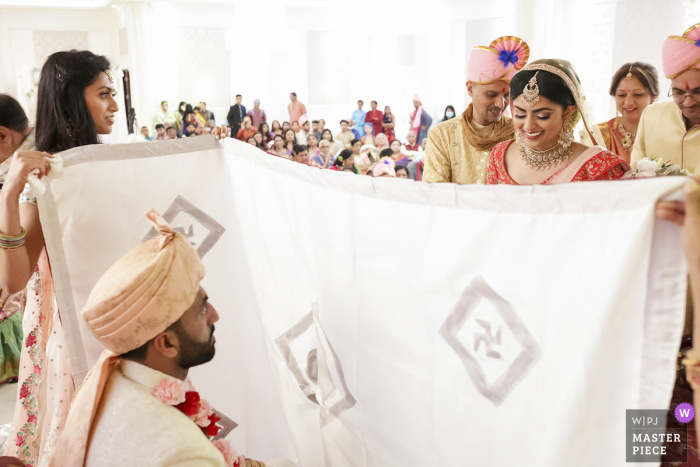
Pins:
x,y
139,297
681,53
501,60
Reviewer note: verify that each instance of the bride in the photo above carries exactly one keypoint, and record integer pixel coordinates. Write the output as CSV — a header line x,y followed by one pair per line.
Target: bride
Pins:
x,y
547,103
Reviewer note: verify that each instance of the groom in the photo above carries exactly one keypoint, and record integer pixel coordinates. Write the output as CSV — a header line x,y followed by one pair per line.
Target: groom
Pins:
x,y
136,406
458,149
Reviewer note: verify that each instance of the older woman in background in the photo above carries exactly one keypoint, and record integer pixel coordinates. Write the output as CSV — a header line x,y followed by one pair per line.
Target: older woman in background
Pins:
x,y
634,86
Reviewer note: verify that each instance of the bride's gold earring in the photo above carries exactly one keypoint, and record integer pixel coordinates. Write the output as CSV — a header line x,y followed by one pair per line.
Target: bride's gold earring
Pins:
x,y
566,135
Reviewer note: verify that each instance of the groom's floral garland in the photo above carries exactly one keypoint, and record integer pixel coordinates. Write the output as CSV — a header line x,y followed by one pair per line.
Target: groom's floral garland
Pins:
x,y
172,392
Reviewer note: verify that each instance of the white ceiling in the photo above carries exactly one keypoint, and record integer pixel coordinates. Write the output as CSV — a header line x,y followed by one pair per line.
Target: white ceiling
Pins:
x,y
55,3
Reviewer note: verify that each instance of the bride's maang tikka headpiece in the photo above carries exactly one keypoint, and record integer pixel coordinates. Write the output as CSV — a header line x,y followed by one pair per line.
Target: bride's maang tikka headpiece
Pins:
x,y
531,93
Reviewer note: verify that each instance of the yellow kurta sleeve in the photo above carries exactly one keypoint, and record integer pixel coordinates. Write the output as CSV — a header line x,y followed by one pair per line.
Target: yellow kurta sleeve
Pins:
x,y
437,163
639,149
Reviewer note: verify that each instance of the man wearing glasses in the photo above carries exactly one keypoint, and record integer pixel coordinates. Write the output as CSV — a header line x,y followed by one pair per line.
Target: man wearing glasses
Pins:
x,y
672,129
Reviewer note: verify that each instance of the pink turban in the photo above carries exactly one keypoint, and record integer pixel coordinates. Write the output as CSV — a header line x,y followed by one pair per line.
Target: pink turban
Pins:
x,y
384,166
499,61
139,297
681,53
303,119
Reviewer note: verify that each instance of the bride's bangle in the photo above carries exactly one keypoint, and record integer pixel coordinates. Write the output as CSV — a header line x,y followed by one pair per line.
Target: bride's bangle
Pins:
x,y
8,242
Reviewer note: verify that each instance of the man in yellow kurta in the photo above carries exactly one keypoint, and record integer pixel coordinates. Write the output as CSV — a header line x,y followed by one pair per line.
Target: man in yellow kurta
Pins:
x,y
672,129
458,149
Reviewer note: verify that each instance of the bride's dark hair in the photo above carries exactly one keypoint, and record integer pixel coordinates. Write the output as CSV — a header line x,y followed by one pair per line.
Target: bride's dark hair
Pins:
x,y
63,120
551,86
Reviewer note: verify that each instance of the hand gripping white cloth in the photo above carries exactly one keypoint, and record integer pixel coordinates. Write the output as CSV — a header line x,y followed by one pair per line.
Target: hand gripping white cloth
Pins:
x,y
37,185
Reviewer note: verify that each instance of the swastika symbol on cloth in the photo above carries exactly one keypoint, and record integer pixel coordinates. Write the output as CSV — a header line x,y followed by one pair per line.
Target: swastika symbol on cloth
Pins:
x,y
480,309
315,366
488,339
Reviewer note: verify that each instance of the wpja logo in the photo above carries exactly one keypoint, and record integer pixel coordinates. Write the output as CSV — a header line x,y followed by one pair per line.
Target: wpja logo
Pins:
x,y
658,435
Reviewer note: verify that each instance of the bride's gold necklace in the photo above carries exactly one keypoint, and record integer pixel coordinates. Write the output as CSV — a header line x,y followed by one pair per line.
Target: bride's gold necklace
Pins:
x,y
547,158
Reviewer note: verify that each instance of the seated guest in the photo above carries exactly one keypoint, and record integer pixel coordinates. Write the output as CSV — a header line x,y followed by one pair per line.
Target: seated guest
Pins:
x,y
356,145
206,130
413,150
252,141
323,157
345,136
290,139
128,409
367,157
634,87
300,154
449,114
208,115
276,129
259,141
295,126
401,171
286,126
199,130
315,130
189,130
346,159
368,138
328,136
350,169
279,149
312,144
211,124
396,154
171,133
199,116
381,141
188,118
160,132
672,129
424,143
145,133
305,130
321,125
265,130
385,166
246,130
548,102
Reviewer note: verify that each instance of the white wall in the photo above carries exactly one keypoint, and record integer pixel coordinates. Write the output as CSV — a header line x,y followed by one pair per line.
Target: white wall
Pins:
x,y
332,53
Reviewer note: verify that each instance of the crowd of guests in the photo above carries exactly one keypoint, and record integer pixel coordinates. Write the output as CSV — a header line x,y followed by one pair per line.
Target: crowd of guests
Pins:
x,y
364,141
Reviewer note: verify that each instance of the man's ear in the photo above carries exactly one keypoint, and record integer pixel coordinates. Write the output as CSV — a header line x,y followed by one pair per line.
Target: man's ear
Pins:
x,y
470,88
167,344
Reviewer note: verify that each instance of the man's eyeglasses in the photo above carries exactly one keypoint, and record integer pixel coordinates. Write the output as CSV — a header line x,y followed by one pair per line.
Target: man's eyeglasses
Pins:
x,y
680,96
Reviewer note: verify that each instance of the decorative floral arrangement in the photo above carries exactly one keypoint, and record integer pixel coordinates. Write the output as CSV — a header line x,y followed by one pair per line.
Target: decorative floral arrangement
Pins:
x,y
654,166
172,391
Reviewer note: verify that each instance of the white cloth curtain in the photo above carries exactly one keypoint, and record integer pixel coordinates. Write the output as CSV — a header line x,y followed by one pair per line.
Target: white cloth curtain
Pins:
x,y
382,322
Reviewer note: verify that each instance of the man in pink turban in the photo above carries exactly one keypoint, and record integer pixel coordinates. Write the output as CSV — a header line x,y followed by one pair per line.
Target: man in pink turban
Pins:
x,y
672,129
420,120
136,406
458,149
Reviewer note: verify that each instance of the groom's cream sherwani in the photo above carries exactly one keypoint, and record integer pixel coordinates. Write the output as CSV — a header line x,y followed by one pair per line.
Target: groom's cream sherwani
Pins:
x,y
134,428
